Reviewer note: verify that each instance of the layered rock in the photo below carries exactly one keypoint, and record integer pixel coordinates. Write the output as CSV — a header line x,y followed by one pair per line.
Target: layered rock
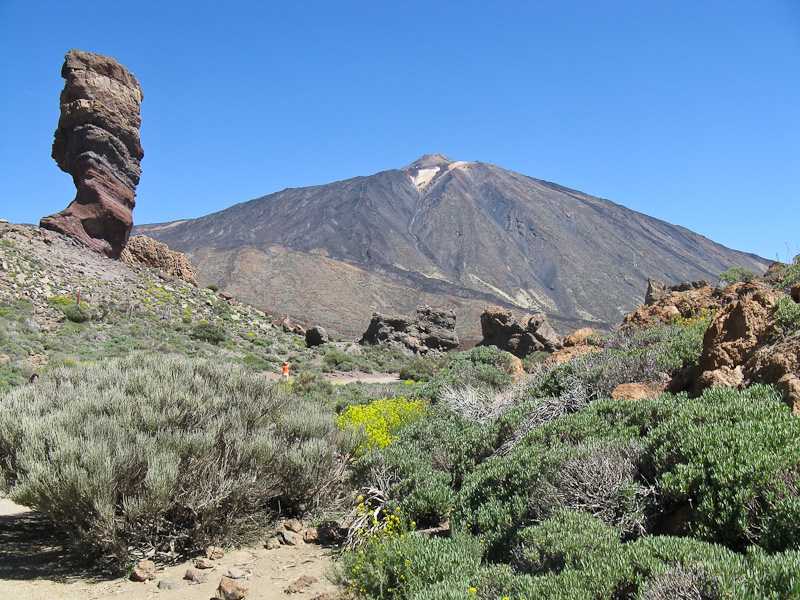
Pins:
x,y
146,251
429,331
532,333
97,142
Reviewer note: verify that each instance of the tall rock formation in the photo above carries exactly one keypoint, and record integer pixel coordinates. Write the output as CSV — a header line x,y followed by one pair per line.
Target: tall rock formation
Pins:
x,y
97,142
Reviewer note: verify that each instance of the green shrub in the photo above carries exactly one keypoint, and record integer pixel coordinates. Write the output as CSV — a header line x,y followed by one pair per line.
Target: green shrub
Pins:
x,y
414,566
380,420
161,452
735,274
209,332
787,315
311,382
340,360
418,369
483,367
213,287
735,456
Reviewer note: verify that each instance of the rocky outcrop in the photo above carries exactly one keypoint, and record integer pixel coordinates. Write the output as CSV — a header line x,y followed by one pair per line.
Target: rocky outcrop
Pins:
x,y
143,250
97,142
430,331
673,305
316,336
744,345
656,290
532,333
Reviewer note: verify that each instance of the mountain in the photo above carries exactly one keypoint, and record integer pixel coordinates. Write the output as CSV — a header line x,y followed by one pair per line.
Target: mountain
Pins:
x,y
447,233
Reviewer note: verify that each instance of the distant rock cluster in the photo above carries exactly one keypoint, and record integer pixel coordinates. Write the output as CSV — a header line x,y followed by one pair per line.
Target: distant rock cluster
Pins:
x,y
97,142
430,331
143,250
530,334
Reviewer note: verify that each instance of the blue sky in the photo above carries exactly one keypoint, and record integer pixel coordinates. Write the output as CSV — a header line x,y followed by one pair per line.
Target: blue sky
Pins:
x,y
686,111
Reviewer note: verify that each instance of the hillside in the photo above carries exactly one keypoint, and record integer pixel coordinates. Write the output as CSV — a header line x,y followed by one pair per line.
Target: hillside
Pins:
x,y
445,233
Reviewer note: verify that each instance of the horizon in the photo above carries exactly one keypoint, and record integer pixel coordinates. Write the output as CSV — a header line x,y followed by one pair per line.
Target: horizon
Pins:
x,y
683,111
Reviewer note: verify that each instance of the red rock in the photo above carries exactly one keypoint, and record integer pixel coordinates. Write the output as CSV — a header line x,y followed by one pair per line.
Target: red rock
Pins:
x,y
144,570
231,590
636,391
579,337
97,142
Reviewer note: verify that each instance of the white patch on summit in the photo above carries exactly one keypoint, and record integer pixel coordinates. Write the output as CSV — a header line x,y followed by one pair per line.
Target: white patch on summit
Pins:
x,y
424,177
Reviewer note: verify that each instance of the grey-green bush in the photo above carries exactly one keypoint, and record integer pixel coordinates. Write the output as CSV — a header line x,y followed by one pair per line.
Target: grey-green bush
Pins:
x,y
163,452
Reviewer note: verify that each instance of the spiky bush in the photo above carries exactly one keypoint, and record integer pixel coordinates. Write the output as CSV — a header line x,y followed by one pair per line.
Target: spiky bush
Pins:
x,y
162,452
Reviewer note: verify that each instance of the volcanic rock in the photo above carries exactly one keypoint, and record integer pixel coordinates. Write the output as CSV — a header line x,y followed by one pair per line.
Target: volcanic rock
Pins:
x,y
316,336
230,590
656,290
97,142
736,334
430,331
579,338
672,306
144,570
146,251
532,333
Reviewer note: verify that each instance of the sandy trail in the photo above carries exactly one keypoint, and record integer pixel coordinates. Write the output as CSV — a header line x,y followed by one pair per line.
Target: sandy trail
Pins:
x,y
35,566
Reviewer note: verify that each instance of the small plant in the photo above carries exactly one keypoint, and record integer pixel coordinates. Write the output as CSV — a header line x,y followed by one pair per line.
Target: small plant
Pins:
x,y
213,287
787,315
736,274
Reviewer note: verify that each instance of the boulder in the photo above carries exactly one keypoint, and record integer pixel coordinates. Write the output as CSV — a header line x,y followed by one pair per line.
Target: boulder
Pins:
x,y
779,364
579,337
97,142
195,576
231,590
744,345
656,290
430,331
532,333
145,570
316,336
146,251
795,292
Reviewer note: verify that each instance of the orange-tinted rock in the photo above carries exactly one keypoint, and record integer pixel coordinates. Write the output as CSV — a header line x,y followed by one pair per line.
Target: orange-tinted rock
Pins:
x,y
97,142
636,391
146,251
579,337
672,306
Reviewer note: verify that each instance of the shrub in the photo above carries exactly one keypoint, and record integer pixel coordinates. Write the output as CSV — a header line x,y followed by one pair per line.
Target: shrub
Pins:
x,y
213,287
735,456
414,566
311,382
380,420
418,369
735,274
162,453
482,367
338,359
787,315
209,332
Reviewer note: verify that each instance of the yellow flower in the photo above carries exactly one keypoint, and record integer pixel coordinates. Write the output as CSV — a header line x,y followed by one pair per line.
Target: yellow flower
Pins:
x,y
473,590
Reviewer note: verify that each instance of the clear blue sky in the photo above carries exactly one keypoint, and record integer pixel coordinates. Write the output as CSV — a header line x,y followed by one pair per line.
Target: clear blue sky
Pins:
x,y
688,111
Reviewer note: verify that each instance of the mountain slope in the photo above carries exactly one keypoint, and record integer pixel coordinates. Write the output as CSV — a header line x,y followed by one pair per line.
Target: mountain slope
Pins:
x,y
445,230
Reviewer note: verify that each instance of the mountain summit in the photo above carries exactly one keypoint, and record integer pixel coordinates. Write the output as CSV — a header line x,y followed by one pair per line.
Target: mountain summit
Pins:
x,y
447,233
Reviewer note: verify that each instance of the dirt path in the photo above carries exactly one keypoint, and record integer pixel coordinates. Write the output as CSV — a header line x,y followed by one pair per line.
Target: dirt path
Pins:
x,y
34,566
345,378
